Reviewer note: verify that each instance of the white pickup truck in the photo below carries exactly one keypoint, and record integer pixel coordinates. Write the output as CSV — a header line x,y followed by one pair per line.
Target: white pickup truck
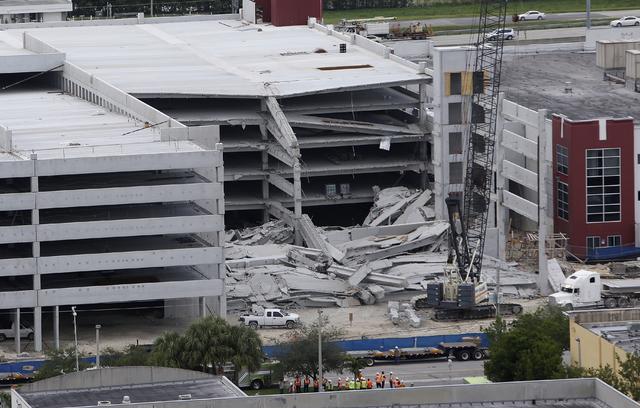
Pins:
x,y
271,318
25,333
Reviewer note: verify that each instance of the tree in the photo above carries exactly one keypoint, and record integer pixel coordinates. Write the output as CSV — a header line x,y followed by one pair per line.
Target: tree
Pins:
x,y
530,348
629,375
208,343
60,362
299,355
354,365
132,355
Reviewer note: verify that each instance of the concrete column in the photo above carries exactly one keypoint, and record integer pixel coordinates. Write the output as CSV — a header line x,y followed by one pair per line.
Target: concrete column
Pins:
x,y
544,174
202,305
56,327
16,333
424,175
35,220
297,199
265,166
502,213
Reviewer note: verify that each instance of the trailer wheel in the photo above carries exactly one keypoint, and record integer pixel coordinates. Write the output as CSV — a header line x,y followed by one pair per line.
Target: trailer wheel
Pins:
x,y
477,355
256,384
369,362
253,325
610,303
464,355
624,302
30,336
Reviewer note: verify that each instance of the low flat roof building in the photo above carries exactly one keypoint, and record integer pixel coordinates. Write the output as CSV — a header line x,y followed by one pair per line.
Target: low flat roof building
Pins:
x,y
25,11
198,390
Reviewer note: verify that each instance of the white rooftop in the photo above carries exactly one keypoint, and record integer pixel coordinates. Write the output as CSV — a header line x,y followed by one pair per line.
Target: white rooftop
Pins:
x,y
224,58
56,125
34,6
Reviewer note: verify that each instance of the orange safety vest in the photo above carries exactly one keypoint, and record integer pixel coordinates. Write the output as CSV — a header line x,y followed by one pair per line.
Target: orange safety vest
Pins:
x,y
377,378
306,381
369,383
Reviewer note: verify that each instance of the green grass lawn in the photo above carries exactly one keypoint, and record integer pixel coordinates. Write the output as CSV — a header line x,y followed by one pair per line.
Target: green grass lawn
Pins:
x,y
470,10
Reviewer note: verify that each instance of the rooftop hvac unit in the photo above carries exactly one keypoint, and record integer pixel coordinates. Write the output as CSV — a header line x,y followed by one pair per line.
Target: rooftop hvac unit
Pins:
x,y
184,396
126,400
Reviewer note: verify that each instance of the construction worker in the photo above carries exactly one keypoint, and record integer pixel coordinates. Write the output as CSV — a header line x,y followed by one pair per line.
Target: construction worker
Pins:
x,y
383,379
297,385
363,383
396,354
352,384
390,379
357,383
316,385
369,384
378,377
307,381
339,384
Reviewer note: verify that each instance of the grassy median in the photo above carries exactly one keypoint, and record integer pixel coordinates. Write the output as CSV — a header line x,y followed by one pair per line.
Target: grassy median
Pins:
x,y
471,9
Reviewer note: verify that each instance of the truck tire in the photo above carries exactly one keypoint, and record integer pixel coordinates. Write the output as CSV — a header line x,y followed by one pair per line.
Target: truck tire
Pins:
x,y
253,325
3,337
369,362
290,324
256,384
624,302
463,355
30,336
477,355
610,303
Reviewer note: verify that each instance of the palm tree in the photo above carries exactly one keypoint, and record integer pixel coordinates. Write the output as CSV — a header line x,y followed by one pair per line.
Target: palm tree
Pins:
x,y
168,350
354,365
247,349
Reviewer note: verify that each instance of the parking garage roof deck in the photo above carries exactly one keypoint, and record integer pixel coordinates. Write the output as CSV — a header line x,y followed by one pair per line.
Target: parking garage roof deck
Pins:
x,y
223,58
56,125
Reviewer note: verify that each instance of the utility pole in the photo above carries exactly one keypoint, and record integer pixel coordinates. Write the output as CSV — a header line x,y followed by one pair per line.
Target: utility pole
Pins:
x,y
588,14
320,384
151,8
98,345
75,336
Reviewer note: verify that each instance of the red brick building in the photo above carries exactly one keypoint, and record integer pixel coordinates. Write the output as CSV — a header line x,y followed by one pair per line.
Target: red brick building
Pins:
x,y
594,185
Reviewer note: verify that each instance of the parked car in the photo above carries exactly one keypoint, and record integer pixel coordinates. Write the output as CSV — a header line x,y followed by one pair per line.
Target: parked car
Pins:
x,y
9,333
531,15
626,21
506,33
271,318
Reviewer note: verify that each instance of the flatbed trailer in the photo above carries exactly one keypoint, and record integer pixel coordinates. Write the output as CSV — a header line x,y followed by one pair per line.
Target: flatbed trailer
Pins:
x,y
461,351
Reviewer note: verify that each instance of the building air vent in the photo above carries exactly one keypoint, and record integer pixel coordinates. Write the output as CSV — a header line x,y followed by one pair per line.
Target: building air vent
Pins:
x,y
104,403
126,400
184,396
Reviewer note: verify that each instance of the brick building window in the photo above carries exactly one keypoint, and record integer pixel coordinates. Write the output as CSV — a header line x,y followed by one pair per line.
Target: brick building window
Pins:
x,y
563,200
593,242
603,185
562,159
614,240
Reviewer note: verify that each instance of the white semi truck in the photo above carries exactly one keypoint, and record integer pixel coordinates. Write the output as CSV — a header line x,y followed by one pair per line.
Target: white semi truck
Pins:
x,y
585,289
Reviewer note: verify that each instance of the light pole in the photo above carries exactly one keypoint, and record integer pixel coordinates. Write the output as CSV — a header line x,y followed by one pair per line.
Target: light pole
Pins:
x,y
75,336
450,364
98,345
588,14
579,352
320,384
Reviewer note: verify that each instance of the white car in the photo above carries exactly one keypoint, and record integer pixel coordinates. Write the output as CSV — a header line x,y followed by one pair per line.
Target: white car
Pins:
x,y
506,33
626,21
531,15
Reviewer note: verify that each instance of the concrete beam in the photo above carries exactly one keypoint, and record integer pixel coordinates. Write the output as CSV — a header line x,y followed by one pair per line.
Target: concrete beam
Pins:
x,y
520,175
517,143
342,125
129,195
18,233
17,201
519,113
17,266
18,299
16,168
279,126
129,260
130,292
281,154
130,227
282,183
520,205
280,212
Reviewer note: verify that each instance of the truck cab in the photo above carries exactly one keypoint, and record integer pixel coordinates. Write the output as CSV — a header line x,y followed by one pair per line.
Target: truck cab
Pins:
x,y
581,289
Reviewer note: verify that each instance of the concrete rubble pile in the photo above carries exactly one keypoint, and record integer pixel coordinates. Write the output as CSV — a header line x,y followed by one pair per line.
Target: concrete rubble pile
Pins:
x,y
347,266
400,205
403,313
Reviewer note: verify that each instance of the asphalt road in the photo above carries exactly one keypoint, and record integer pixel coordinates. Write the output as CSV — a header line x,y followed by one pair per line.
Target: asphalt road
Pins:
x,y
463,21
435,372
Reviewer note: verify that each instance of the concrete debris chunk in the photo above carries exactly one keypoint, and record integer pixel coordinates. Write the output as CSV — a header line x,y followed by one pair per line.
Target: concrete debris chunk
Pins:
x,y
556,276
399,205
377,291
